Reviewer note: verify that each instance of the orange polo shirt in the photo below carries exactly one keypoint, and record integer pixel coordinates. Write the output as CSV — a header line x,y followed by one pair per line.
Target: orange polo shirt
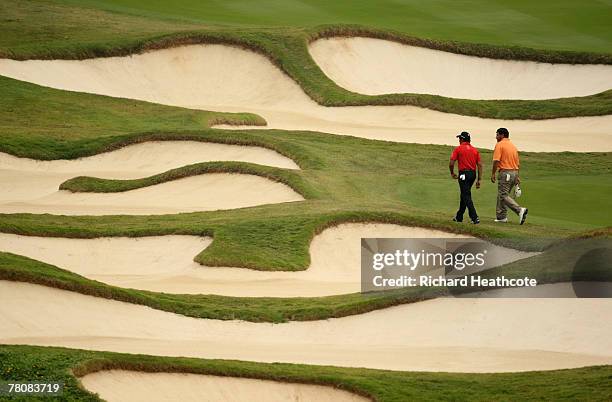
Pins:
x,y
506,153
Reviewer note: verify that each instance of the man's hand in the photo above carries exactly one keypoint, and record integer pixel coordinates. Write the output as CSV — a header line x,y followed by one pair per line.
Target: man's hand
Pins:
x,y
454,175
494,170
478,183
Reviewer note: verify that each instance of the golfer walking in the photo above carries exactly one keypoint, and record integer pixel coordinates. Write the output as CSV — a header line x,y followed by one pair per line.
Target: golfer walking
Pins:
x,y
469,159
506,161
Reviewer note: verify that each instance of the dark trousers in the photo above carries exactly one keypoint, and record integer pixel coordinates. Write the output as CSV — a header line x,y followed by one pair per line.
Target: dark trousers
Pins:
x,y
466,180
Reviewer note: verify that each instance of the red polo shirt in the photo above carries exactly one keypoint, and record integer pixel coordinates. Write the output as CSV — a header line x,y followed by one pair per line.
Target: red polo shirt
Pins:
x,y
467,156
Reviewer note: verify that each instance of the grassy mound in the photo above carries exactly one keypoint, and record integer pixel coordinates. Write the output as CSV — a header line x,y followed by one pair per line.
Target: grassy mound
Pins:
x,y
44,123
84,184
62,364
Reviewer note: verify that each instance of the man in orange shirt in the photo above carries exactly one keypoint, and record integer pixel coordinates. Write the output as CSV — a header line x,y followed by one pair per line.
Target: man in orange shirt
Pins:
x,y
506,160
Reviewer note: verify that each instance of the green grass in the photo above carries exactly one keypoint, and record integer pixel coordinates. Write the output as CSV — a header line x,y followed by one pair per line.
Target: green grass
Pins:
x,y
45,26
75,32
538,194
45,123
569,25
35,363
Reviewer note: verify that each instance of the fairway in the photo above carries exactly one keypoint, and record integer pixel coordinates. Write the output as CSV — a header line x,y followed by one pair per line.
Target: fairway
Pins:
x,y
549,196
201,199
565,25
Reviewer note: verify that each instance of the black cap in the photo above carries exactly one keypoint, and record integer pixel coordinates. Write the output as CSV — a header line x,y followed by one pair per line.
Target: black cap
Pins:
x,y
464,136
503,131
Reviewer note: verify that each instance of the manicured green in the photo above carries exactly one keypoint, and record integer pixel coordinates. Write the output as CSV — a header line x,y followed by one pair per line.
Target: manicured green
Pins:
x,y
68,35
566,24
559,263
43,27
552,198
19,363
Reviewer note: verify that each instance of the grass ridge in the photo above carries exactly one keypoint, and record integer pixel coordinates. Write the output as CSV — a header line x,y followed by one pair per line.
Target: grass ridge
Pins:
x,y
86,184
64,364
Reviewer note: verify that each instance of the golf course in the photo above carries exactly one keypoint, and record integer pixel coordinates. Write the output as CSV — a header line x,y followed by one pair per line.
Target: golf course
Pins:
x,y
185,187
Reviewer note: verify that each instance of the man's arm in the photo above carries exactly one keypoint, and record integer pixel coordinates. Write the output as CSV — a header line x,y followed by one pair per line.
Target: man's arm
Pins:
x,y
451,167
494,170
496,158
479,174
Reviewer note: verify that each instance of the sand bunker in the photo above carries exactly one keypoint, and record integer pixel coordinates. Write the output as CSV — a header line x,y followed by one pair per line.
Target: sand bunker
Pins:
x,y
460,335
223,78
32,186
121,385
375,66
165,263
148,158
209,192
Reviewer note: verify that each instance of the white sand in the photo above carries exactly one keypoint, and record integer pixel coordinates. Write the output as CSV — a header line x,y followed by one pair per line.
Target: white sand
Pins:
x,y
148,158
32,186
375,66
165,263
223,78
209,192
122,385
459,335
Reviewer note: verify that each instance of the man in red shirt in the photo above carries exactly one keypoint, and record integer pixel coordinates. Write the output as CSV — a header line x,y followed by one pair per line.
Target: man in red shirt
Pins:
x,y
469,159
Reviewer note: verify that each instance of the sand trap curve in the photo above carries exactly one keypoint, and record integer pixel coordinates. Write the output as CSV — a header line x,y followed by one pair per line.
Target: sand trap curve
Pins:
x,y
32,186
122,385
209,192
165,263
448,334
223,78
149,158
375,66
